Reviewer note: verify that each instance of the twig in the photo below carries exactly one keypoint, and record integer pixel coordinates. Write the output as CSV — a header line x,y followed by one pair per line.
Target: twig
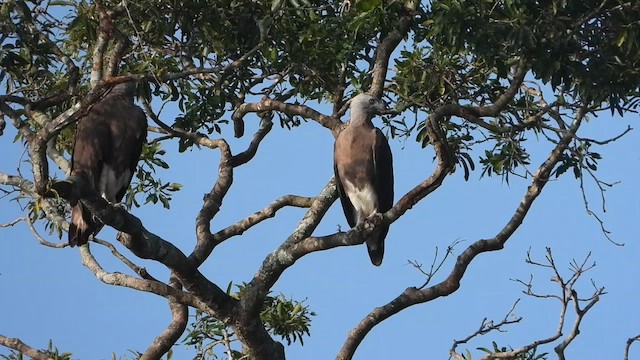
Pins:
x,y
142,272
41,240
434,267
568,296
12,223
487,327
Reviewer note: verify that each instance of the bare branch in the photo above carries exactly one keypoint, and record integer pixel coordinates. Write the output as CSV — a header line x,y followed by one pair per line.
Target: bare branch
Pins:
x,y
41,240
15,181
568,295
485,328
16,344
152,286
142,272
20,125
607,141
206,242
504,99
211,206
261,215
246,156
628,346
12,223
433,270
99,48
580,313
248,327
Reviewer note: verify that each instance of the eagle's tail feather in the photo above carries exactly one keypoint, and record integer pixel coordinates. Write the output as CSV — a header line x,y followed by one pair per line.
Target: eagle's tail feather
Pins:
x,y
375,245
81,226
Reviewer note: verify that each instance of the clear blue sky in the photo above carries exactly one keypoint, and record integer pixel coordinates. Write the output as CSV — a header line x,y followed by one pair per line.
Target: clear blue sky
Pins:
x,y
48,294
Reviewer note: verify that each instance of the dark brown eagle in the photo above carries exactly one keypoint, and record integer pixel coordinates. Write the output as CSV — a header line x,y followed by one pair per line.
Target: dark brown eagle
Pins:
x,y
106,150
363,168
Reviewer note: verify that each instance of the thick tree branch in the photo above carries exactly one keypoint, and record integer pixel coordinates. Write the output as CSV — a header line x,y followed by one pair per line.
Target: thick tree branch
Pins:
x,y
247,327
506,97
412,296
22,348
179,319
147,245
211,206
388,43
267,104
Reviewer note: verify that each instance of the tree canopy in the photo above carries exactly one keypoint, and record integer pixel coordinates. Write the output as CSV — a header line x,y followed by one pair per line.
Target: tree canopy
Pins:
x,y
475,83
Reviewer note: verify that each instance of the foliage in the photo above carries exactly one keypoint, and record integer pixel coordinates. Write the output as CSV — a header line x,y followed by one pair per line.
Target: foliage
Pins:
x,y
290,319
146,183
529,355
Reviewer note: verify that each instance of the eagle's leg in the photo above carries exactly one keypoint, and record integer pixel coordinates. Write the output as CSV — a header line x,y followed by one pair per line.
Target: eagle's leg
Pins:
x,y
372,221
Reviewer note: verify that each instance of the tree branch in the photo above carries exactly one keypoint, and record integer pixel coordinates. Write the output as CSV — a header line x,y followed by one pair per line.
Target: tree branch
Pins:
x,y
16,344
568,295
179,319
387,44
146,245
628,345
485,328
247,327
261,215
151,286
142,272
267,104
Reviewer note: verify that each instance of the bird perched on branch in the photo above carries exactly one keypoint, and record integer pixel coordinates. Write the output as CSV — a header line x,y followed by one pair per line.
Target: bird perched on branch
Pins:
x,y
106,149
363,168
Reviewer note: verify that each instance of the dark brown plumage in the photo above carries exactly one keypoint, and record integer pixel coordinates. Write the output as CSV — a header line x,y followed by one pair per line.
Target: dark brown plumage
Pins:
x,y
363,167
106,149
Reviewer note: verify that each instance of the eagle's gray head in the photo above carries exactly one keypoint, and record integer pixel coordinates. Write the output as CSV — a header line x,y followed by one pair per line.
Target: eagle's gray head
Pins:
x,y
126,90
367,105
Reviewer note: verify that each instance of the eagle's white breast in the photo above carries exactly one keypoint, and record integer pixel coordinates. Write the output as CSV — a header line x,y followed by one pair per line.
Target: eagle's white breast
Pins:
x,y
364,200
110,183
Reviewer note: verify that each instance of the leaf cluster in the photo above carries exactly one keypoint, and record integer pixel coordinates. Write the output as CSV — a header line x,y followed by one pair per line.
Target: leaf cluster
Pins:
x,y
590,49
288,318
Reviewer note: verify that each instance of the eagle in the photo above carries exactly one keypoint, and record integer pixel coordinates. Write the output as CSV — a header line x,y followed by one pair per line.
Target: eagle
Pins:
x,y
363,168
106,149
